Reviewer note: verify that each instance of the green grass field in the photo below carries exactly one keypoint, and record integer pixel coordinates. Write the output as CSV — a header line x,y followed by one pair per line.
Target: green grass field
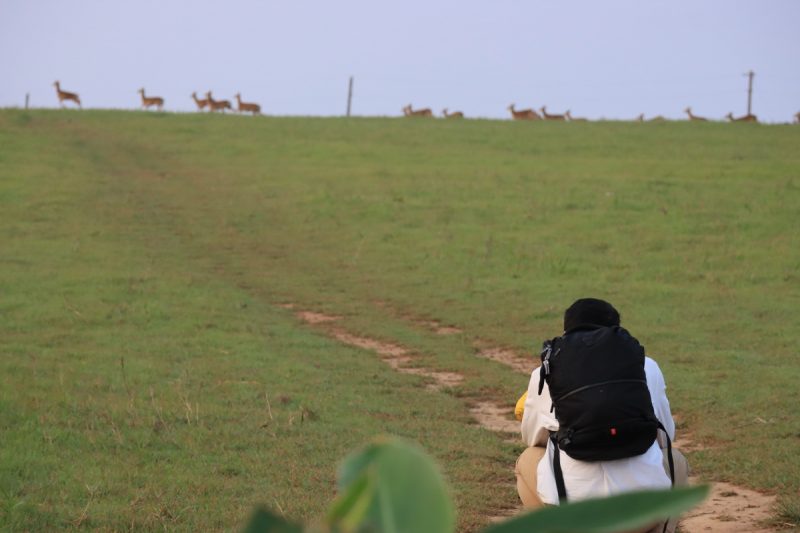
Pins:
x,y
149,378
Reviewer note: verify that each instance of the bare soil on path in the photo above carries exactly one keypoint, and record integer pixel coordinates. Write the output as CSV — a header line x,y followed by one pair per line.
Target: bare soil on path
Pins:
x,y
728,509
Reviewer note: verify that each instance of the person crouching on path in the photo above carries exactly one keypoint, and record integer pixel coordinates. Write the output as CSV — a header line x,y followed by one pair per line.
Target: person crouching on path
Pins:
x,y
591,319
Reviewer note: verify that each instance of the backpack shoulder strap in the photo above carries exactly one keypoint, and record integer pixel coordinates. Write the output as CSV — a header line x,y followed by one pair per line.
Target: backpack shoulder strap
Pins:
x,y
671,462
545,355
557,473
670,459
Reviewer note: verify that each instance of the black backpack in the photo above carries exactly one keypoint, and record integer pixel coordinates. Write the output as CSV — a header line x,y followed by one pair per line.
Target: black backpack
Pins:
x,y
599,390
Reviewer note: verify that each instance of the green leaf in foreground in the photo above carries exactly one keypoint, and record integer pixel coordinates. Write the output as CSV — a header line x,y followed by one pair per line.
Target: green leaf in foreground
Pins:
x,y
607,515
349,510
391,486
264,521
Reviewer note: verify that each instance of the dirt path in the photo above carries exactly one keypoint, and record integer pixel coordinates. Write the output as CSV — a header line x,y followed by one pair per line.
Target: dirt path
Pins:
x,y
394,355
729,508
506,356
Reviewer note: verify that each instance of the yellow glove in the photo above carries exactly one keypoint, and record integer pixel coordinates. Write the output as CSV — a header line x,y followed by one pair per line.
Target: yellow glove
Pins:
x,y
520,408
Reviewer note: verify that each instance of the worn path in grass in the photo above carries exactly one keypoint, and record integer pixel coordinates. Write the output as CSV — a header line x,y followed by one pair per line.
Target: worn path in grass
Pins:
x,y
147,383
727,507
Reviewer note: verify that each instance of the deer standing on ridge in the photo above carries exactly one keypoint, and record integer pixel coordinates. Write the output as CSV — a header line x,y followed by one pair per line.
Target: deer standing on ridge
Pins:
x,y
552,117
523,114
247,107
215,105
409,112
201,104
693,117
743,118
64,95
148,101
455,114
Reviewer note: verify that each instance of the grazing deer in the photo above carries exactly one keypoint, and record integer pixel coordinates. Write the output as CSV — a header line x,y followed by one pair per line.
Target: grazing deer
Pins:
x,y
247,107
574,119
64,95
523,114
552,117
409,112
148,101
692,117
215,105
743,118
201,104
455,114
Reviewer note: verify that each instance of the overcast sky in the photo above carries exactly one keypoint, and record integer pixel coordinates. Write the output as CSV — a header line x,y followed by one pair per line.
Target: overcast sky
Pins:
x,y
611,59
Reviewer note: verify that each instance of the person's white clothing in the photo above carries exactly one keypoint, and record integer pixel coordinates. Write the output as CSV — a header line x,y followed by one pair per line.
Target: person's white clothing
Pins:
x,y
584,479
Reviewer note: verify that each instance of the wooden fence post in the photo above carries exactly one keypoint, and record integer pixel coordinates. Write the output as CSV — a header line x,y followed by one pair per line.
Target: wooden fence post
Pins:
x,y
349,95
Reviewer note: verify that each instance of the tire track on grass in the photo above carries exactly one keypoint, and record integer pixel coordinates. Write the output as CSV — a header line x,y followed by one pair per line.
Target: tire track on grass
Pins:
x,y
489,415
396,356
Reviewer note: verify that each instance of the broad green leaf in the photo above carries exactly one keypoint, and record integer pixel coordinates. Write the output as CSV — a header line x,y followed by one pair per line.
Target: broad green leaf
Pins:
x,y
349,510
264,521
391,486
606,515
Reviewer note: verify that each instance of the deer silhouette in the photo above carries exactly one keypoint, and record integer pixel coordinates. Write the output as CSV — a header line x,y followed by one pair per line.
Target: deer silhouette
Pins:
x,y
66,96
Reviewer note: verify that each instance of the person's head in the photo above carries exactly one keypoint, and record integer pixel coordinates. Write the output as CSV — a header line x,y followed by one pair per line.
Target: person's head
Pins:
x,y
590,312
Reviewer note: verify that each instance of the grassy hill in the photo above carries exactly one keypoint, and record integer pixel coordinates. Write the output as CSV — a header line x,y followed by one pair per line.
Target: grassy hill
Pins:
x,y
149,377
